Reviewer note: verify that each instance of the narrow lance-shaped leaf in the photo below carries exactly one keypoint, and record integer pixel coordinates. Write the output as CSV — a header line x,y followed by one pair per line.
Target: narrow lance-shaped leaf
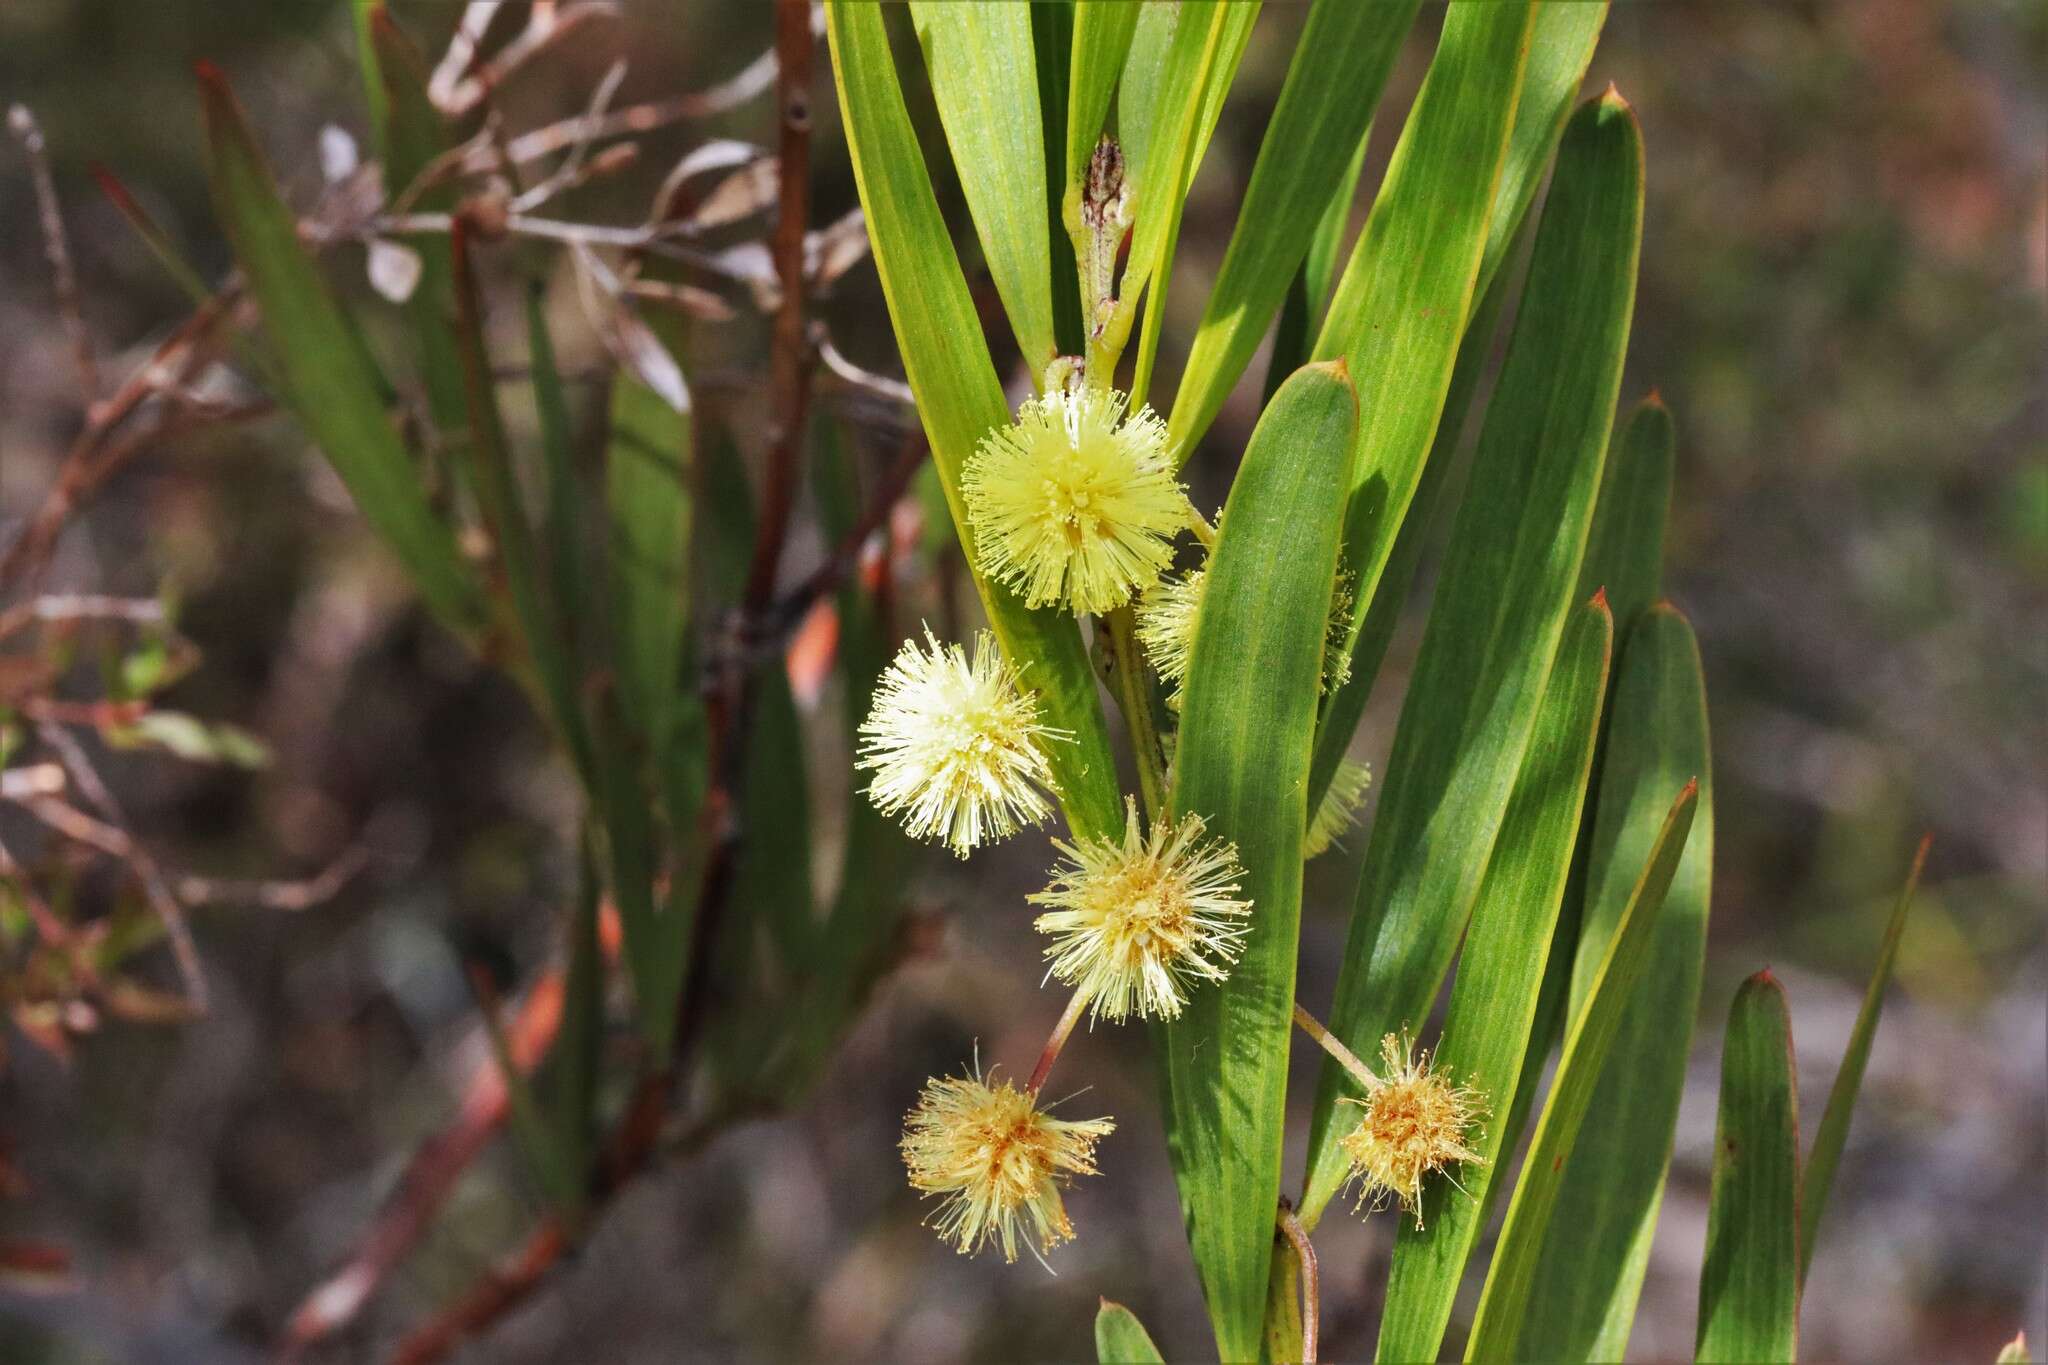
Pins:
x,y
1052,41
1120,1339
1102,39
361,13
852,946
328,377
1819,1176
1208,40
497,492
1301,313
1494,1000
564,526
1624,559
1375,629
1508,582
647,491
1246,720
1403,299
1504,1301
958,396
1340,66
570,1081
1220,70
1591,1272
1561,44
985,80
413,135
1749,1281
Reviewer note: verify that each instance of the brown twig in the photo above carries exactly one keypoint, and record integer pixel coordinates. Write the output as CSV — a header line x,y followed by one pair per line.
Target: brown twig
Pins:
x,y
22,123
432,1174
67,607
94,455
1311,1285
155,888
791,607
497,1293
273,893
789,359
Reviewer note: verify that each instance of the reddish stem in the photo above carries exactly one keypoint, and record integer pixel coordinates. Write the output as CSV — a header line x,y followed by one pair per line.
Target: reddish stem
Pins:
x,y
1060,1032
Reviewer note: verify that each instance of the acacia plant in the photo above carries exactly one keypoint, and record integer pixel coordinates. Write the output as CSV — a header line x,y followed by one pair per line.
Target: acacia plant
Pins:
x,y
1545,801
1546,798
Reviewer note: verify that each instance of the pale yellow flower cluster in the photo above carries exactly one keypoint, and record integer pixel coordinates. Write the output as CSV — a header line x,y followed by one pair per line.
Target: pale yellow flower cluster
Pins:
x,y
1076,505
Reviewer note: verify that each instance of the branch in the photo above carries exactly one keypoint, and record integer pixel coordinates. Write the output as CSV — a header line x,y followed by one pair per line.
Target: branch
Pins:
x,y
22,123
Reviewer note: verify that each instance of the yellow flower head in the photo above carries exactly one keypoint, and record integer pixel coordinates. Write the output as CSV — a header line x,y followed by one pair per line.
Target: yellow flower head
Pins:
x,y
1415,1124
998,1160
1135,923
1077,502
1166,630
1339,808
954,745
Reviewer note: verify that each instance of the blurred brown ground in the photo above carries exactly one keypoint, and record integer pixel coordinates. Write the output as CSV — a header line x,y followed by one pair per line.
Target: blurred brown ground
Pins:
x,y
1842,300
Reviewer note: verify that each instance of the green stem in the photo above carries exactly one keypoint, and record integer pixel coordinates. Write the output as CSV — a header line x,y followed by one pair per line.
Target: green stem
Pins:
x,y
1346,1058
1128,678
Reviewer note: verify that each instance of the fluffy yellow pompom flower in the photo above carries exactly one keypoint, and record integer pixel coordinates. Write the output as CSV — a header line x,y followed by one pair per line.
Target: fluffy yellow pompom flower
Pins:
x,y
998,1160
1166,630
1338,810
954,745
1415,1124
1134,923
1076,503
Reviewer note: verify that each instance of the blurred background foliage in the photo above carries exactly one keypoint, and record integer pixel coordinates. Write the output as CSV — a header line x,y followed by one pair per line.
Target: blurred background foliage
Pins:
x,y
1843,296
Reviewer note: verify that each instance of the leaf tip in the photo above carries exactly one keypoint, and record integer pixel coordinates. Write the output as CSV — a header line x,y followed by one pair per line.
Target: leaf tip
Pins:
x,y
111,186
1655,399
1599,600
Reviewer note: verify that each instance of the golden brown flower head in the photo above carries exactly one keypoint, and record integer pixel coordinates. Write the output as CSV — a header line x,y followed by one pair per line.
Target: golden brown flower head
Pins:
x,y
1076,503
998,1160
955,745
1134,923
1415,1124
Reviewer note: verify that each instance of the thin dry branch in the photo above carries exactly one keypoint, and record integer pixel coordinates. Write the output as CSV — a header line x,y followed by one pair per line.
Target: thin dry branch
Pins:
x,y
430,1176
22,123
156,889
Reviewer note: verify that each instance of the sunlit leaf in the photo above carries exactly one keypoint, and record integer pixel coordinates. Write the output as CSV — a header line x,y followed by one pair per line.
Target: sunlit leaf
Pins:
x,y
1247,717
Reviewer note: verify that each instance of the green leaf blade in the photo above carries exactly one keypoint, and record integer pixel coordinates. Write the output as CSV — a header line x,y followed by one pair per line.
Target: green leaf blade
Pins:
x,y
1561,44
327,376
649,507
959,398
1503,1302
984,77
1120,1339
414,135
1493,1003
1833,1134
1507,585
1340,66
1102,41
1749,1282
1246,721
1184,101
1590,1274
